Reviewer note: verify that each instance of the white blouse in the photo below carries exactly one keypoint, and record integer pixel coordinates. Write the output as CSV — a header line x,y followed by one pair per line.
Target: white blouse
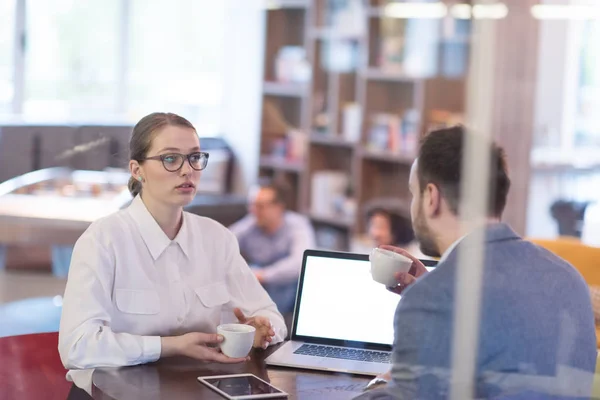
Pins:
x,y
129,284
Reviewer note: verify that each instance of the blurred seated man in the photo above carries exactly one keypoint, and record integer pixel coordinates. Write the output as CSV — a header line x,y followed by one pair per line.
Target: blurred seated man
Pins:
x,y
536,335
272,240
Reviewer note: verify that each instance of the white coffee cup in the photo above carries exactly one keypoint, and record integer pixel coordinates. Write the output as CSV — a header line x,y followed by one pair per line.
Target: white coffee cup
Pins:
x,y
385,264
237,339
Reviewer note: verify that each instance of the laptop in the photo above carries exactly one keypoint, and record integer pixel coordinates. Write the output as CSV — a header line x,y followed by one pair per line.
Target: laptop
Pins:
x,y
343,320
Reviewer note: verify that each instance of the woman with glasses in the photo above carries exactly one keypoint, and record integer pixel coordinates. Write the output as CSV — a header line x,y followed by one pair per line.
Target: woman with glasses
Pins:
x,y
152,281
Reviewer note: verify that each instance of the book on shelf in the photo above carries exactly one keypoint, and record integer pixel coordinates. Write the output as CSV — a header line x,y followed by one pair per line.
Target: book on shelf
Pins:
x,y
455,47
321,120
346,17
291,147
394,133
329,194
340,56
409,46
292,66
351,121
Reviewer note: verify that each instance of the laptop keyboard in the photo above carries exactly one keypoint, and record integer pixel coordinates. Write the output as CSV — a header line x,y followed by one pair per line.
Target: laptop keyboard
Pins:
x,y
344,353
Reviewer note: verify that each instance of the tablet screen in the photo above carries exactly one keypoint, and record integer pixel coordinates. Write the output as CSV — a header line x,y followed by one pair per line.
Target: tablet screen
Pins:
x,y
241,385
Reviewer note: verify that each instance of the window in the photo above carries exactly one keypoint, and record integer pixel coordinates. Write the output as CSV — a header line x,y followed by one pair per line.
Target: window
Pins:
x,y
587,118
568,93
71,59
116,60
7,35
176,60
565,159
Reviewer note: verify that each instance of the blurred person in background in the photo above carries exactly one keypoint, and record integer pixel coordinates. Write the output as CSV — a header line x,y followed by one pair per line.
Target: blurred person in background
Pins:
x,y
388,227
272,239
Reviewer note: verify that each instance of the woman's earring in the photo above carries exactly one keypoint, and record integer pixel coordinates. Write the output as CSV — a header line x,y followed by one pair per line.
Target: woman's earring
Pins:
x,y
140,179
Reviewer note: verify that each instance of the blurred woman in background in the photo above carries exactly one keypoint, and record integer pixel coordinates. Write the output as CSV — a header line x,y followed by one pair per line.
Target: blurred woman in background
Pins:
x,y
388,226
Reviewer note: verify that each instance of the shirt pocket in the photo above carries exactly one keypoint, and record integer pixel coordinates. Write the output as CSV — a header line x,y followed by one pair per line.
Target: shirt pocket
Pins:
x,y
213,295
136,301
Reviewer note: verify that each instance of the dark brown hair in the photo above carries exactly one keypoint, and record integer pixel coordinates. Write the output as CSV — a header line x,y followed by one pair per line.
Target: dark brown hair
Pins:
x,y
400,225
440,163
280,188
144,133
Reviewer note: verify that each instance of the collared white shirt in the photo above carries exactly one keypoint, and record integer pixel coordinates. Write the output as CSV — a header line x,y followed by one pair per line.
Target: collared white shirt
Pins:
x,y
129,284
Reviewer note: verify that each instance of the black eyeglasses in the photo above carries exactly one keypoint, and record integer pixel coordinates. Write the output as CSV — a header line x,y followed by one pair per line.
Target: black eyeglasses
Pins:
x,y
174,161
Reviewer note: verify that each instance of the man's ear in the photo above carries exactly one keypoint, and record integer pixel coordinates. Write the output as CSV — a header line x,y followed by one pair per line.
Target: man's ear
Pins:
x,y
432,200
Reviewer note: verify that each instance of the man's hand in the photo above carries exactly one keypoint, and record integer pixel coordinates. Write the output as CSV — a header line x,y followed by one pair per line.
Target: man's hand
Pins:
x,y
196,345
264,330
379,380
406,279
386,376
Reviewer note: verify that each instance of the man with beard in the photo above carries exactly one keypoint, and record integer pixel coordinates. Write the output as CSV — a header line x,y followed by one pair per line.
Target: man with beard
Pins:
x,y
536,327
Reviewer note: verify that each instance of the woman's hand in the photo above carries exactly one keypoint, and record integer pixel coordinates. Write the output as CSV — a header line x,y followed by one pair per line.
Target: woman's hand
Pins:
x,y
198,346
264,330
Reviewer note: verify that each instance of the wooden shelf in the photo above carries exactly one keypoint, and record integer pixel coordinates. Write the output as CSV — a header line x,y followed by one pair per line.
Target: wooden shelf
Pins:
x,y
387,156
380,12
456,40
377,74
565,167
333,220
331,34
285,89
331,140
376,12
375,89
279,4
279,164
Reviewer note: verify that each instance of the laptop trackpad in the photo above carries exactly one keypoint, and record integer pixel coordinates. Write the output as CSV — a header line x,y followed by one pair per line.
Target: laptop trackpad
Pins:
x,y
332,363
355,367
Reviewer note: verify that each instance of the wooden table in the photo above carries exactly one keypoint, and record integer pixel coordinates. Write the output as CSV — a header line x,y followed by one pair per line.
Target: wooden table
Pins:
x,y
176,379
37,208
51,208
30,368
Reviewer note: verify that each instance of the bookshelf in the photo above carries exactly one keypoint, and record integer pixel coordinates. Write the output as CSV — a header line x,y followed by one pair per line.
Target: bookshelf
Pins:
x,y
387,156
355,117
285,89
318,139
277,164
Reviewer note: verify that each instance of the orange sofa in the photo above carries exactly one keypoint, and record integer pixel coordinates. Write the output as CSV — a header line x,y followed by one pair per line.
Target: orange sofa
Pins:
x,y
585,258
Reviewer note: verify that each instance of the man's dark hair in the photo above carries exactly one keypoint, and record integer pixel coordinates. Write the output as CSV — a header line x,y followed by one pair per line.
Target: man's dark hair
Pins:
x,y
440,163
280,188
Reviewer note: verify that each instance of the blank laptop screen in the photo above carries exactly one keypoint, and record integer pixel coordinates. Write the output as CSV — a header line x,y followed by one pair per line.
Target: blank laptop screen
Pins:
x,y
341,301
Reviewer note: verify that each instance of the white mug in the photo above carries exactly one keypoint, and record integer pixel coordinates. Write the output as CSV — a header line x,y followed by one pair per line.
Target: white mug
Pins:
x,y
385,264
237,339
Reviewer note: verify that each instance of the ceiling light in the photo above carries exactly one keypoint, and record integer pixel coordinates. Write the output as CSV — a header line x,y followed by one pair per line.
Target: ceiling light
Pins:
x,y
565,12
416,10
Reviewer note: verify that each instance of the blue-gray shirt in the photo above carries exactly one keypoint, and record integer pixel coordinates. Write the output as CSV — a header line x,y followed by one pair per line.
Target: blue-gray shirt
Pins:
x,y
537,334
279,255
